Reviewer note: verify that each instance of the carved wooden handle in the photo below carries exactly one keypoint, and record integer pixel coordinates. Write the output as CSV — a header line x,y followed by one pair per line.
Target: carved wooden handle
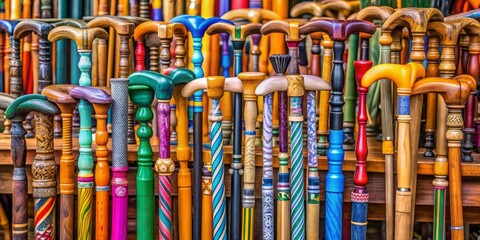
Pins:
x,y
238,33
404,77
279,84
172,29
338,30
26,27
414,18
319,8
255,15
372,13
232,84
82,37
59,93
57,22
290,29
8,26
454,91
146,28
121,26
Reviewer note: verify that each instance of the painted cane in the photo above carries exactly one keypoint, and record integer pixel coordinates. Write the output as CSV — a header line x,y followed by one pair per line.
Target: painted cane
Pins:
x,y
124,30
407,75
338,32
101,101
197,27
43,167
163,87
58,94
371,14
215,85
455,93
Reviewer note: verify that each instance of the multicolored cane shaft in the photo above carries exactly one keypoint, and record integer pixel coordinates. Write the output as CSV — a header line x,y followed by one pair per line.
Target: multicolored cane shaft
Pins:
x,y
197,26
267,180
359,195
250,80
119,88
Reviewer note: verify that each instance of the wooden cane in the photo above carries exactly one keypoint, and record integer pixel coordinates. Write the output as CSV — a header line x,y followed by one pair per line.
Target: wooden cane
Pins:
x,y
455,93
180,77
449,33
197,27
421,17
311,84
58,94
19,193
215,86
124,30
321,9
338,32
371,14
407,75
250,81
238,35
43,167
101,101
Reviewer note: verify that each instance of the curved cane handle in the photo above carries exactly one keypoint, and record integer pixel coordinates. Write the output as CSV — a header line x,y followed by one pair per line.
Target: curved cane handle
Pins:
x,y
181,76
161,84
5,100
254,15
232,84
59,93
26,27
146,28
338,30
454,91
121,26
172,29
237,33
20,107
372,13
290,29
279,83
450,31
197,25
82,37
8,26
404,77
470,80
414,18
57,22
318,9
91,94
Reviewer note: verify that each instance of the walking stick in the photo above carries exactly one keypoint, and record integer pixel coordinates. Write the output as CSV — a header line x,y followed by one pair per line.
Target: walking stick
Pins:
x,y
280,64
20,191
449,33
320,9
311,84
101,103
180,77
404,79
58,94
371,14
215,86
238,35
83,38
163,87
250,81
124,30
338,32
455,93
197,26
43,167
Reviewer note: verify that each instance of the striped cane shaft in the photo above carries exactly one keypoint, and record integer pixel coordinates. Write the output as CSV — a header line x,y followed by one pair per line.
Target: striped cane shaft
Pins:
x,y
44,215
439,213
296,178
218,185
313,188
267,185
165,167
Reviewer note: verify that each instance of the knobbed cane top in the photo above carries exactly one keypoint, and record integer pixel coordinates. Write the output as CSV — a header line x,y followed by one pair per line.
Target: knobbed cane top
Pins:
x,y
280,83
237,33
254,15
161,84
319,9
454,91
337,30
20,107
25,27
91,94
405,75
197,25
121,26
5,100
82,37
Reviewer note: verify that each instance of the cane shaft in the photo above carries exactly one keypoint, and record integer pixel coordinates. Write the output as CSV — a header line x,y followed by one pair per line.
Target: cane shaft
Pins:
x,y
20,193
324,97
